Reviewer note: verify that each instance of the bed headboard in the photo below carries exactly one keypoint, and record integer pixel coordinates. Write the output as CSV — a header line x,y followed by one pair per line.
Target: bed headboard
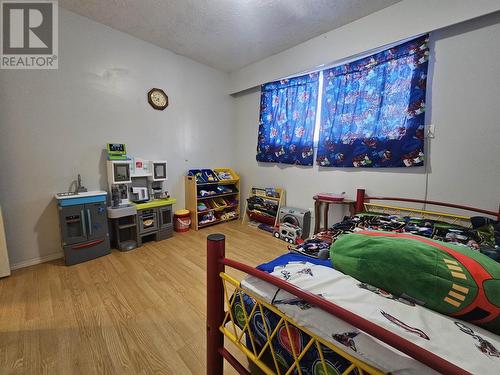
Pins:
x,y
365,203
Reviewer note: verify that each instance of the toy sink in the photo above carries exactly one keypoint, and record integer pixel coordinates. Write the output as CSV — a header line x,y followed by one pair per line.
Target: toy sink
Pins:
x,y
122,211
72,199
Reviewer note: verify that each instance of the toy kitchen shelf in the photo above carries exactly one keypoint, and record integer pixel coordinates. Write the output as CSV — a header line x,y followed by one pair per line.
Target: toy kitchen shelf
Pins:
x,y
212,196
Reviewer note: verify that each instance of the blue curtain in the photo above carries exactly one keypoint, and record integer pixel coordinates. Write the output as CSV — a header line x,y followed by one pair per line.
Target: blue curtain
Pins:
x,y
287,118
372,112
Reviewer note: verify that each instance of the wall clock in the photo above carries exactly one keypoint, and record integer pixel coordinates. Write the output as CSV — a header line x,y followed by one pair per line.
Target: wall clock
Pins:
x,y
158,99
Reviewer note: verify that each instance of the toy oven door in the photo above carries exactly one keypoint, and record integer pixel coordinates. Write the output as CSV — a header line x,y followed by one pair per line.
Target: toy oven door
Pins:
x,y
165,217
148,221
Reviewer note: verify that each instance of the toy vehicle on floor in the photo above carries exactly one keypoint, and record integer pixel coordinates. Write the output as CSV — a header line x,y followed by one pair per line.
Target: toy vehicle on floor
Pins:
x,y
289,233
229,215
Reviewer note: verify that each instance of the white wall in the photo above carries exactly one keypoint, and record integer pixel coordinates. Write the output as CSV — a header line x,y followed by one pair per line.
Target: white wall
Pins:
x,y
463,99
55,124
397,22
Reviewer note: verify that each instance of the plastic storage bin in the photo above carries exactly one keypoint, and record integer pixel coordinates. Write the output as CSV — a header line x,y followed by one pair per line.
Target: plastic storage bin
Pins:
x,y
209,176
231,176
198,174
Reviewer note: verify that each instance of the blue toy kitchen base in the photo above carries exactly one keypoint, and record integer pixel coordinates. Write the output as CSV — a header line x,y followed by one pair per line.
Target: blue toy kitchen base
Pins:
x,y
84,228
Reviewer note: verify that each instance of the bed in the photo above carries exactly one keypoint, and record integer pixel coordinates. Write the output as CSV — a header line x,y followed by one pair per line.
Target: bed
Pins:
x,y
267,313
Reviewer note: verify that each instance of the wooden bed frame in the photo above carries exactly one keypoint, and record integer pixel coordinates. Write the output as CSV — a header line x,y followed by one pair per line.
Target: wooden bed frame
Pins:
x,y
221,323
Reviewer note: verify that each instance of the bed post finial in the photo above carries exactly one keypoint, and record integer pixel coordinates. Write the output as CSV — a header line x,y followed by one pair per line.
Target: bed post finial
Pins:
x,y
215,303
360,200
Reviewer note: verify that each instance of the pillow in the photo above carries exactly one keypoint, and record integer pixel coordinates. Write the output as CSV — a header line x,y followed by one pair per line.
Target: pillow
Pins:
x,y
451,279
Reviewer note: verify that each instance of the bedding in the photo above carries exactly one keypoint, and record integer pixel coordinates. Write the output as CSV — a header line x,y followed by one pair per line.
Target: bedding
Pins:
x,y
484,236
466,345
446,336
451,279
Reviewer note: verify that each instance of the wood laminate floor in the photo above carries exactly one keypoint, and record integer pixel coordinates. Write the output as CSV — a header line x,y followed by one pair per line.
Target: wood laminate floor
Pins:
x,y
140,312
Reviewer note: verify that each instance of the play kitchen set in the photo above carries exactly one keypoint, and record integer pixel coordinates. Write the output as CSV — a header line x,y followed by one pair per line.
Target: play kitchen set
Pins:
x,y
140,208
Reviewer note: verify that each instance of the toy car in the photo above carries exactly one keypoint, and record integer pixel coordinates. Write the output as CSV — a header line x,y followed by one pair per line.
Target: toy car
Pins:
x,y
289,233
229,215
207,218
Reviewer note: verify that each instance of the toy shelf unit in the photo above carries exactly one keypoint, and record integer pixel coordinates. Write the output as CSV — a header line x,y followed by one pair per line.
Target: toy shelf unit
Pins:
x,y
263,206
212,196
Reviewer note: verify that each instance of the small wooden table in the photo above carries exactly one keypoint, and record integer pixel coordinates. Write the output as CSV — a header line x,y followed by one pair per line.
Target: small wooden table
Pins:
x,y
325,204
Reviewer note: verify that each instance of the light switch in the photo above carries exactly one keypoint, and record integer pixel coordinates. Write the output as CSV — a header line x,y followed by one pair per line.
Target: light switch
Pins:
x,y
430,131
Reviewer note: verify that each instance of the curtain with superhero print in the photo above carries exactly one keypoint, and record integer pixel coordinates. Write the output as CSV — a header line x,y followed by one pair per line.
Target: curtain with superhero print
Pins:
x,y
287,118
372,112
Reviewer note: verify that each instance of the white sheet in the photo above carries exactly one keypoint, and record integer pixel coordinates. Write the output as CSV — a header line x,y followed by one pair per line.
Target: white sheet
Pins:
x,y
446,338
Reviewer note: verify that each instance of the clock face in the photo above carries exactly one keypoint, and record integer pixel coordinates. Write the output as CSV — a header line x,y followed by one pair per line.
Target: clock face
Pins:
x,y
158,99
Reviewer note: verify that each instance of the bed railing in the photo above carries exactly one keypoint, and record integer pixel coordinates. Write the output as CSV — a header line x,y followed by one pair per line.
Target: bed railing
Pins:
x,y
362,200
216,262
237,326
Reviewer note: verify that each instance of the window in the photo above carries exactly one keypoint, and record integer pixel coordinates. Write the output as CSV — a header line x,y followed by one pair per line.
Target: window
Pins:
x,y
372,109
317,123
287,119
367,113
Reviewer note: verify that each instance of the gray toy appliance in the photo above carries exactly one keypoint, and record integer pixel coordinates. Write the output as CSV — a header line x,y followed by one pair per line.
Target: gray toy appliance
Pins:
x,y
296,216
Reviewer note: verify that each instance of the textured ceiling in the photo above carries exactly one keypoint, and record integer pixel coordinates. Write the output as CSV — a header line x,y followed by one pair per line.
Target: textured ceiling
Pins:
x,y
225,34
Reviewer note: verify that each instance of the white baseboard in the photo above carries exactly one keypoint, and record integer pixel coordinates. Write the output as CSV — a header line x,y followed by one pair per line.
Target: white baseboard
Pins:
x,y
37,260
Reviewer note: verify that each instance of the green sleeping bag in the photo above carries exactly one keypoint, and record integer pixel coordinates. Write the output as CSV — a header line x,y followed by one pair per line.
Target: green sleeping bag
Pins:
x,y
451,279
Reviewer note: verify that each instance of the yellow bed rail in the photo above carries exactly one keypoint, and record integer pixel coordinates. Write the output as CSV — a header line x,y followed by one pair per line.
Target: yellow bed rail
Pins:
x,y
424,214
231,329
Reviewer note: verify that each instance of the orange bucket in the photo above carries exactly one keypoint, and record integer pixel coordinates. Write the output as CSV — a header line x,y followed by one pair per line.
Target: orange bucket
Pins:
x,y
182,220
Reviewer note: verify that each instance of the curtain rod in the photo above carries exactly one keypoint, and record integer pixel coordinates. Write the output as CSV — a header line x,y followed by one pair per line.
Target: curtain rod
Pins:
x,y
351,58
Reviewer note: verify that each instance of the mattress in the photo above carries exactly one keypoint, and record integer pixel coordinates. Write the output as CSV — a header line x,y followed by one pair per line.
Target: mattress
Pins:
x,y
463,344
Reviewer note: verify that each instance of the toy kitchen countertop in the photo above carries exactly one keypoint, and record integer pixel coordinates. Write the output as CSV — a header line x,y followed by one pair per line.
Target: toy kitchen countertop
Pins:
x,y
131,209
70,198
154,203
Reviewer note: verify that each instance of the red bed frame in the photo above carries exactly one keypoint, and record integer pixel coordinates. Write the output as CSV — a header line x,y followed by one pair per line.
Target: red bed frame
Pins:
x,y
362,198
216,263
